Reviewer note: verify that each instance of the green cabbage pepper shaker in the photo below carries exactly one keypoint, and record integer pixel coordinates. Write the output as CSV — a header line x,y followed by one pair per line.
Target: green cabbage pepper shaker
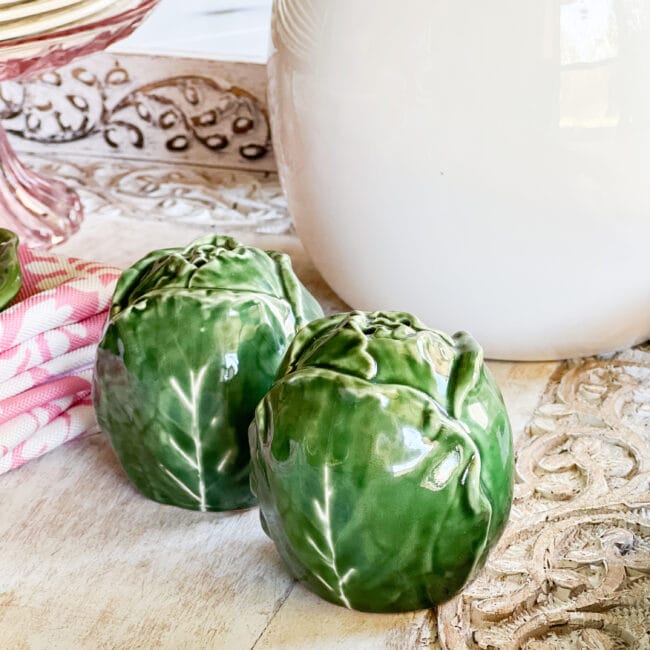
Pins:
x,y
10,275
194,340
382,459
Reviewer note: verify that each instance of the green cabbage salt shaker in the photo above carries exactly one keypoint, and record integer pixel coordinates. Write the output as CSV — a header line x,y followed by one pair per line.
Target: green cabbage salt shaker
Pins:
x,y
382,459
10,275
194,340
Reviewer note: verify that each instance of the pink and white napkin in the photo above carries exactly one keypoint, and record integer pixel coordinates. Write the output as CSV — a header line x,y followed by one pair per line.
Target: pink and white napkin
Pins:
x,y
48,340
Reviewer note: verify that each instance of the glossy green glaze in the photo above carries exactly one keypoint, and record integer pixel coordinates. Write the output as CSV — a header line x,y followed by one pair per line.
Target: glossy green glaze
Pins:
x,y
382,460
194,341
10,275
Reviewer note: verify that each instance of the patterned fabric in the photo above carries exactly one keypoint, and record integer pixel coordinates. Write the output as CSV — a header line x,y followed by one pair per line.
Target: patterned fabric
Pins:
x,y
48,339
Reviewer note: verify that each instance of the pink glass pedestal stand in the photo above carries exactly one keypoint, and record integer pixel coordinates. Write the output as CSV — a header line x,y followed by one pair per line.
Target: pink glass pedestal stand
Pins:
x,y
42,211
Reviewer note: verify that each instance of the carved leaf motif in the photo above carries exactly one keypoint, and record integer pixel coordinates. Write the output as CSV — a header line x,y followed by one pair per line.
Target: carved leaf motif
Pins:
x,y
172,114
191,94
210,198
134,134
78,102
573,568
198,110
52,77
117,76
209,118
84,76
178,143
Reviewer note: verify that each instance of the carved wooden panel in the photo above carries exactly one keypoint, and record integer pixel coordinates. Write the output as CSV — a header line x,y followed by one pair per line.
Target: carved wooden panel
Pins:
x,y
218,199
145,107
573,569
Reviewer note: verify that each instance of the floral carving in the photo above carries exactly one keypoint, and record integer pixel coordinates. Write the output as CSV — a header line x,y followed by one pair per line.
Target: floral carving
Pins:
x,y
181,111
220,199
573,569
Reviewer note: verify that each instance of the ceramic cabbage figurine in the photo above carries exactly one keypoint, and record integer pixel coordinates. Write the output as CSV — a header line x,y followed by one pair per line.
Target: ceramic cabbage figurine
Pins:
x,y
382,460
194,340
10,275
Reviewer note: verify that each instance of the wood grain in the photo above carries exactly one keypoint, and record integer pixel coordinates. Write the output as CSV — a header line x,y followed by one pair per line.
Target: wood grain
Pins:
x,y
86,562
573,567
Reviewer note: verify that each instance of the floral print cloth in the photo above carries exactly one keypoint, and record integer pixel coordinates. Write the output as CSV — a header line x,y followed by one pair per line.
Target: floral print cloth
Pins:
x,y
48,339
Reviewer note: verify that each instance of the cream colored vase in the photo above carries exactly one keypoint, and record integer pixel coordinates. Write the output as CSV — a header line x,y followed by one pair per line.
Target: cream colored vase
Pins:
x,y
485,165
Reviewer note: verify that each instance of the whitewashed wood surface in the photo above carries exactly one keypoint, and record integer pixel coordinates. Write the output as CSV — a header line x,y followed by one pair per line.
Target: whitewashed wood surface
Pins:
x,y
86,562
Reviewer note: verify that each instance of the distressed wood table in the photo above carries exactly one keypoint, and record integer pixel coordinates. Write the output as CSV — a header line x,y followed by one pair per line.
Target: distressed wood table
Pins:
x,y
86,562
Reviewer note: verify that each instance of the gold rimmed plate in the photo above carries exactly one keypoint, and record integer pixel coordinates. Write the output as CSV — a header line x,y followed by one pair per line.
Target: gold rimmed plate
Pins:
x,y
18,10
5,3
53,19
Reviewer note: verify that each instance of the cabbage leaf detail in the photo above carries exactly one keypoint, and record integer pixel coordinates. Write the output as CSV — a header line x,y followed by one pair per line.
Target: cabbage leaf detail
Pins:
x,y
382,460
10,274
194,340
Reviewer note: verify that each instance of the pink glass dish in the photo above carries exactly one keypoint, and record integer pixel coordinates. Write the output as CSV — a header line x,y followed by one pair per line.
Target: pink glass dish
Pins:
x,y
42,211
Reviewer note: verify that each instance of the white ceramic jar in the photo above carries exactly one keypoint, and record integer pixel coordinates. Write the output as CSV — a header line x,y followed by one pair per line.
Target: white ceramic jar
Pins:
x,y
485,165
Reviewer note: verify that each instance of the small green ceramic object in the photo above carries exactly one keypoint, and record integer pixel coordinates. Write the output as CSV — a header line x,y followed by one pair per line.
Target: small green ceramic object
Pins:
x,y
10,276
194,340
382,460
